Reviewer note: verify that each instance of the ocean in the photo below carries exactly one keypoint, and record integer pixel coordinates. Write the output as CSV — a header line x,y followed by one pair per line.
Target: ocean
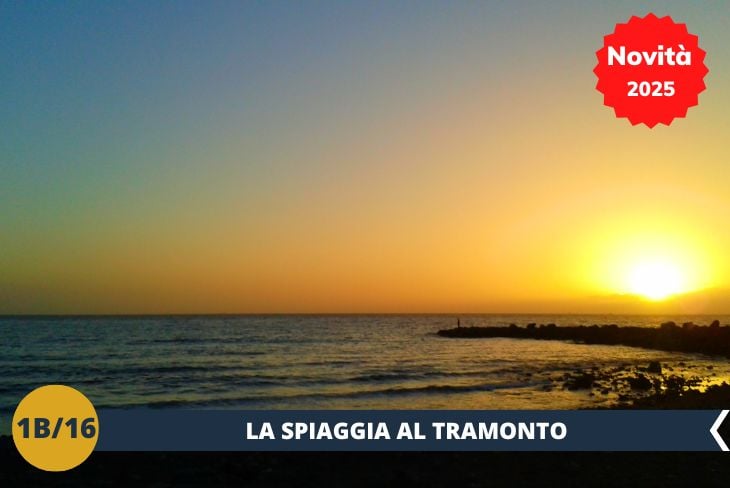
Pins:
x,y
313,362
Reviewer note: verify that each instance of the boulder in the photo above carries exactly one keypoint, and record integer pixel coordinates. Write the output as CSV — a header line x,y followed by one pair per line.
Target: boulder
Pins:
x,y
654,367
640,382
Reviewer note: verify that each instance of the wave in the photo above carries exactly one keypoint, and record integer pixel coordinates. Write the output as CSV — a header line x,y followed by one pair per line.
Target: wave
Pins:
x,y
198,341
391,376
434,389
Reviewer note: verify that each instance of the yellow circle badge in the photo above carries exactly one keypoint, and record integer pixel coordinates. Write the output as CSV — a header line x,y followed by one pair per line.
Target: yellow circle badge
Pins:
x,y
55,428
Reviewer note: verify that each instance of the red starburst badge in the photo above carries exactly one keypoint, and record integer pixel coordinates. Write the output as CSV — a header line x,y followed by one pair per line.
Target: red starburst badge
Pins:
x,y
650,70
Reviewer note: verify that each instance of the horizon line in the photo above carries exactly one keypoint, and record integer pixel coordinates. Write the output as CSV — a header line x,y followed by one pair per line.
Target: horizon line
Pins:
x,y
333,314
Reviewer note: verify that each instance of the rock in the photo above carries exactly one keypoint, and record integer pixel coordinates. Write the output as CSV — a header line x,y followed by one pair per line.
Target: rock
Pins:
x,y
689,339
674,384
640,382
715,324
654,367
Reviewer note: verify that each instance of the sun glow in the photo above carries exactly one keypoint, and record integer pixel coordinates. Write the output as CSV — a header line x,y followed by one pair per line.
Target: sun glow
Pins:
x,y
657,280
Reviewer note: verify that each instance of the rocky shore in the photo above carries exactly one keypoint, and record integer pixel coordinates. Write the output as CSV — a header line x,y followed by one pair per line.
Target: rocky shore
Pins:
x,y
651,386
712,339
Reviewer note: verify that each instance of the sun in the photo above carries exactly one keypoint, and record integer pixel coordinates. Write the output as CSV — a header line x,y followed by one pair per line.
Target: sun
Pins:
x,y
656,280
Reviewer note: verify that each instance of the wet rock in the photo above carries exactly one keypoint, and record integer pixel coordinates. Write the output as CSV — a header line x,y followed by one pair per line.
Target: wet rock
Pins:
x,y
674,384
654,367
640,382
715,324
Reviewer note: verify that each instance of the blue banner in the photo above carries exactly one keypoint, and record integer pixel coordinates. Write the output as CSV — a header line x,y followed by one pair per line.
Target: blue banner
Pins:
x,y
410,430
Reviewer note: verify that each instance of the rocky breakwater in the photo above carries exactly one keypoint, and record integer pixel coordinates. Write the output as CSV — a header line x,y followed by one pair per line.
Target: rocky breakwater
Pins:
x,y
713,339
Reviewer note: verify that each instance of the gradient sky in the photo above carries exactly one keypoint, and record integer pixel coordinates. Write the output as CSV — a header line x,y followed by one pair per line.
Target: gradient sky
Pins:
x,y
184,157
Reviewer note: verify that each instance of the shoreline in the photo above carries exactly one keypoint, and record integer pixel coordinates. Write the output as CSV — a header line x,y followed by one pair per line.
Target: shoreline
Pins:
x,y
653,386
650,386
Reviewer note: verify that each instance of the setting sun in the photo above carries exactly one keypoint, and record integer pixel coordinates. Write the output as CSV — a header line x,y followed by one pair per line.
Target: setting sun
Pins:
x,y
656,259
656,280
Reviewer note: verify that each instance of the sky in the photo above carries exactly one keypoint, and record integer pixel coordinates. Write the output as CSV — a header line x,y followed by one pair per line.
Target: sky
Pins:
x,y
287,157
